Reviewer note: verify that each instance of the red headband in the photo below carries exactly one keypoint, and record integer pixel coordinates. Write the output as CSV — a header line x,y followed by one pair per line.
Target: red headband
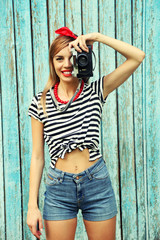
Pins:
x,y
65,31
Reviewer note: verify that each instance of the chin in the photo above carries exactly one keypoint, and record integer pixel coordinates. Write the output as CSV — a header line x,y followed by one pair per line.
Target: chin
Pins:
x,y
68,79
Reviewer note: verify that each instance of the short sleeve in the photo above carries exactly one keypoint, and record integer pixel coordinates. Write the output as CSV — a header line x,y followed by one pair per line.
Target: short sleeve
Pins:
x,y
98,88
33,109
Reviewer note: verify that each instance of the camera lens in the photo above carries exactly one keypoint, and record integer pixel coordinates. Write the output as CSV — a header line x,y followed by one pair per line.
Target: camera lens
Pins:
x,y
82,60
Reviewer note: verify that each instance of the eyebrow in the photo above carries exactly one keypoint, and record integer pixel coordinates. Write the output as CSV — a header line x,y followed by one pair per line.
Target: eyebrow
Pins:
x,y
61,56
58,56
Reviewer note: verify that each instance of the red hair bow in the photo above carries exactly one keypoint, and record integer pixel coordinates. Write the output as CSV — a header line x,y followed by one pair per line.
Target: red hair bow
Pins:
x,y
65,31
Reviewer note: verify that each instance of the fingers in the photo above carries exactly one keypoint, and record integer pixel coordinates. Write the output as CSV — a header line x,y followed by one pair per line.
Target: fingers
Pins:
x,y
79,44
40,225
33,228
83,45
34,231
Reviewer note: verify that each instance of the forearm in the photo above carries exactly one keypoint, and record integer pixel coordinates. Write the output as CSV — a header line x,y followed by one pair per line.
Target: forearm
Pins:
x,y
36,170
123,48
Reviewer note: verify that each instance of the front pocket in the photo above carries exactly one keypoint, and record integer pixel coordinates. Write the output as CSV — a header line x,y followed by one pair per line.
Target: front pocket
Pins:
x,y
52,180
101,174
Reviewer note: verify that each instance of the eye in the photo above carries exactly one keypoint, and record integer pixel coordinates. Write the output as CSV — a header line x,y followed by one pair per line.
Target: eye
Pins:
x,y
59,58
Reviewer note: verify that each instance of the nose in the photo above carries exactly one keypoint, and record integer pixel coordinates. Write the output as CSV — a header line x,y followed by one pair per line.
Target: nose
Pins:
x,y
67,63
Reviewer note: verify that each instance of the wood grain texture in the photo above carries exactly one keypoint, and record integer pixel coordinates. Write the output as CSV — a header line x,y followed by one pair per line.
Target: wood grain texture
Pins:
x,y
152,109
73,16
130,133
126,130
2,183
138,110
40,46
109,117
25,94
10,121
56,11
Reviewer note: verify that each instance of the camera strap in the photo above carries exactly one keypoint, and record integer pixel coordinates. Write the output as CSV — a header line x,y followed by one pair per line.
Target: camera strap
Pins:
x,y
55,102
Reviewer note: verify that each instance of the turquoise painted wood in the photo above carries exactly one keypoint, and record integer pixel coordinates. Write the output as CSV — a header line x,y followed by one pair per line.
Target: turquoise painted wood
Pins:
x,y
130,133
138,107
152,114
109,118
23,47
2,206
12,181
126,130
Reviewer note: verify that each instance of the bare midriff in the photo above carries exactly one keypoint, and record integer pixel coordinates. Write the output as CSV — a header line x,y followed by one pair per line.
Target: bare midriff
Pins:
x,y
75,162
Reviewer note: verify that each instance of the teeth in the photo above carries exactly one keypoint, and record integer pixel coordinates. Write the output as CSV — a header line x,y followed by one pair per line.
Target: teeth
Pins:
x,y
67,72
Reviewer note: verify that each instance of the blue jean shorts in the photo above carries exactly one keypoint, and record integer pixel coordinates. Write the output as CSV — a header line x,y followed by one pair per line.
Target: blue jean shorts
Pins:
x,y
90,191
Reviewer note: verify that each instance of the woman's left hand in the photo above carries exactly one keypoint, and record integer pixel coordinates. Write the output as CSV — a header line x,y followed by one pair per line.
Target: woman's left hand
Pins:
x,y
82,41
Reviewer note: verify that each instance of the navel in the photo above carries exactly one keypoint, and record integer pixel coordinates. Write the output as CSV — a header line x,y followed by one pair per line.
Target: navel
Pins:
x,y
76,168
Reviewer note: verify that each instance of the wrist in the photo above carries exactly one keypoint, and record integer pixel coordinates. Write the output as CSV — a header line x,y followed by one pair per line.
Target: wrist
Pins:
x,y
99,37
32,206
95,36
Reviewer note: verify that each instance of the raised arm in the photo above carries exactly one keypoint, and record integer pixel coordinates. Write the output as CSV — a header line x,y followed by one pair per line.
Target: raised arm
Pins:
x,y
36,169
134,58
133,55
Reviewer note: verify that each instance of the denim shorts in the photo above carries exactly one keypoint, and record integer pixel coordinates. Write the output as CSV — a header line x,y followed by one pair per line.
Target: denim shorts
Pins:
x,y
90,191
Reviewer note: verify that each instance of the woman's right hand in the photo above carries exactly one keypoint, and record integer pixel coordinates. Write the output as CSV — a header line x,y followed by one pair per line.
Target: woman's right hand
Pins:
x,y
34,217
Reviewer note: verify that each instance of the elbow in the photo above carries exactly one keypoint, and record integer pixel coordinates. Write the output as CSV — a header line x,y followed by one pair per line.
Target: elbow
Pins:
x,y
142,56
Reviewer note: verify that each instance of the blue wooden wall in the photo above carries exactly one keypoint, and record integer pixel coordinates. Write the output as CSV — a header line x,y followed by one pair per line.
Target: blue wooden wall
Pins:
x,y
130,132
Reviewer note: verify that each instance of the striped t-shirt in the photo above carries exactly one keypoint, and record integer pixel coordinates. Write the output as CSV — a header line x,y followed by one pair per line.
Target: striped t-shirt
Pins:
x,y
77,127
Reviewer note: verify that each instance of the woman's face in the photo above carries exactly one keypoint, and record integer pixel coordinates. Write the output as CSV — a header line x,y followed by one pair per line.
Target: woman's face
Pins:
x,y
62,64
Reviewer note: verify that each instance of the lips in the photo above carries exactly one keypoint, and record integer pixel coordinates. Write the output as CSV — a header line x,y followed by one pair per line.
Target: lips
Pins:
x,y
67,73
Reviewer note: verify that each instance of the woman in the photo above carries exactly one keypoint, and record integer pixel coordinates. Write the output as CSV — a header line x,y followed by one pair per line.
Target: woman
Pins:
x,y
67,115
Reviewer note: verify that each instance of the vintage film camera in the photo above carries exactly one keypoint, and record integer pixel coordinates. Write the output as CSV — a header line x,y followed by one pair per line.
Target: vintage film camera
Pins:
x,y
82,63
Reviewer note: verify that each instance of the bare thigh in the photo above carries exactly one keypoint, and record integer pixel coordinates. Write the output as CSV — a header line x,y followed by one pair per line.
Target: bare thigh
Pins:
x,y
101,230
60,230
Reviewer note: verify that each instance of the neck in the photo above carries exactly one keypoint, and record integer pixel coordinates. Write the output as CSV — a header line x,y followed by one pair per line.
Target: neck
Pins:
x,y
66,90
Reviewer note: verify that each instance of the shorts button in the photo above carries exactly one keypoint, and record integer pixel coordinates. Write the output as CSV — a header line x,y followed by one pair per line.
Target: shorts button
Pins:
x,y
77,177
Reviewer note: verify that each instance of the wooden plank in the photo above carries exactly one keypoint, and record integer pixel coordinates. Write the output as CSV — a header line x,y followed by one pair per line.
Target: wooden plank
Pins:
x,y
109,117
56,17
10,125
25,93
152,88
73,16
2,185
126,131
138,108
31,78
40,43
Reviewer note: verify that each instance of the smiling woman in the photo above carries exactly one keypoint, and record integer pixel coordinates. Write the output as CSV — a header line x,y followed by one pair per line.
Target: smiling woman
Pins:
x,y
62,62
78,177
63,68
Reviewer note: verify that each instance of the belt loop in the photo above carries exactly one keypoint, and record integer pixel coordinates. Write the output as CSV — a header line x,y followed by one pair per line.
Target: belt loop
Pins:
x,y
89,175
62,177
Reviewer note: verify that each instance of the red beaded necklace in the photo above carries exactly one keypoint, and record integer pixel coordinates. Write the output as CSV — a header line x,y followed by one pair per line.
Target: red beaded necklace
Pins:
x,y
61,101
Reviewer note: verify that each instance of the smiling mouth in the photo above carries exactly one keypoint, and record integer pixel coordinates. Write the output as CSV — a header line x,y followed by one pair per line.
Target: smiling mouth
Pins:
x,y
67,73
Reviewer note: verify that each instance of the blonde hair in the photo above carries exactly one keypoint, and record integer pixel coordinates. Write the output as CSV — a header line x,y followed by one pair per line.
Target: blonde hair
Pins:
x,y
57,45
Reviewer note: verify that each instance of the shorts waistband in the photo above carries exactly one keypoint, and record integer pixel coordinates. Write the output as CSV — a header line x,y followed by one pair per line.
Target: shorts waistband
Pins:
x,y
94,168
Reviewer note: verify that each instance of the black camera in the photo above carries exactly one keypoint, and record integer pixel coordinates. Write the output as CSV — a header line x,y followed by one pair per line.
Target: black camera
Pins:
x,y
82,63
